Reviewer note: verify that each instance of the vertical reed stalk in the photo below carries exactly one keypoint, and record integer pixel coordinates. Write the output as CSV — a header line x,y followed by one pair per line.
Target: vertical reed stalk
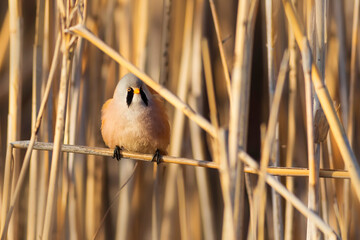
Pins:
x,y
14,112
165,39
291,137
58,139
6,189
276,201
313,166
228,231
239,110
45,130
338,7
36,86
351,104
221,48
260,191
4,37
179,120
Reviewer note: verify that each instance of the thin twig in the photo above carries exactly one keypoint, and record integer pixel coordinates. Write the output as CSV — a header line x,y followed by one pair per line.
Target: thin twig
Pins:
x,y
107,152
113,201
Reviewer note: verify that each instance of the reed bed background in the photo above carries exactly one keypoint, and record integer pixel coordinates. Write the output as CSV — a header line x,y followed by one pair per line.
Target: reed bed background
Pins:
x,y
263,102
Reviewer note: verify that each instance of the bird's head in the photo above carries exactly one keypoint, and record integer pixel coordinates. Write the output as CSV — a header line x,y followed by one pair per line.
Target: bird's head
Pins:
x,y
132,91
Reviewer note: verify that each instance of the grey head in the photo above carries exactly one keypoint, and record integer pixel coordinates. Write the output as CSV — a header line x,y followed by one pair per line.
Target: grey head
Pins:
x,y
132,91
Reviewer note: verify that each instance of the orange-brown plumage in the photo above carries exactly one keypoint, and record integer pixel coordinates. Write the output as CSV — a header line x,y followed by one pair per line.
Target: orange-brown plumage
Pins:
x,y
141,126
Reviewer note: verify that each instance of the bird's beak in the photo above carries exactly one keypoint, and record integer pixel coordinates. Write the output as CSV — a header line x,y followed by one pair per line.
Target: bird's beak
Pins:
x,y
136,90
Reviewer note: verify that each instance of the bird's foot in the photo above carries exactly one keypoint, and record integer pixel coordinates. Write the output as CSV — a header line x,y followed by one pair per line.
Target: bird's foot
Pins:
x,y
157,157
117,153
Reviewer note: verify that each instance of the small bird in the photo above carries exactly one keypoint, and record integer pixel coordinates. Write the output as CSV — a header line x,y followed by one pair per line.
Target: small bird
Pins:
x,y
135,119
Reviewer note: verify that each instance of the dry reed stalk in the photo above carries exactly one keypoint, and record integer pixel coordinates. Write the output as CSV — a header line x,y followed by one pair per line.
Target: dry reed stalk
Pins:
x,y
221,49
209,82
198,147
276,201
351,114
178,121
165,39
341,35
325,228
239,198
291,137
228,230
197,141
4,37
182,204
353,73
123,35
59,134
196,101
14,111
240,83
73,131
45,131
163,80
140,29
162,91
323,196
260,191
313,165
342,228
6,193
326,103
36,89
31,143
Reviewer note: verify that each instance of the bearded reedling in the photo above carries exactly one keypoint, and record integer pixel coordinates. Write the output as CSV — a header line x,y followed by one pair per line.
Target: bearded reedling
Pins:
x,y
135,119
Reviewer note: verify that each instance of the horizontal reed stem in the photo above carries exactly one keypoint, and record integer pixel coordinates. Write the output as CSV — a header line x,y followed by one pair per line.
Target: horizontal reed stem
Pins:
x,y
107,152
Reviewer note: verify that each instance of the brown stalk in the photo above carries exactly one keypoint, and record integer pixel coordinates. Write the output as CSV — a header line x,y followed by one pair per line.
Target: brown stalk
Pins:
x,y
221,48
4,38
58,139
268,143
14,111
291,137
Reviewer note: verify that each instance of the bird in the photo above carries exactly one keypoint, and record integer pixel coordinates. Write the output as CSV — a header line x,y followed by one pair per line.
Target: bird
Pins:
x,y
135,119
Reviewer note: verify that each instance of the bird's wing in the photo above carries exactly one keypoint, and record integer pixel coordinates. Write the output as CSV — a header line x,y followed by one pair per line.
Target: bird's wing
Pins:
x,y
103,109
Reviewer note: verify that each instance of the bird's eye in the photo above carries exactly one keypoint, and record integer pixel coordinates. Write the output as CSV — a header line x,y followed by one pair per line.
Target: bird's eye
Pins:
x,y
129,89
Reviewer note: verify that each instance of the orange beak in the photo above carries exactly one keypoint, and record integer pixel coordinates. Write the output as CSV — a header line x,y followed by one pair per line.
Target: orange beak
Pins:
x,y
136,90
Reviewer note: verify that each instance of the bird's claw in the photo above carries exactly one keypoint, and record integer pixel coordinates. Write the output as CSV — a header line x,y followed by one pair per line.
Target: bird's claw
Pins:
x,y
117,153
157,157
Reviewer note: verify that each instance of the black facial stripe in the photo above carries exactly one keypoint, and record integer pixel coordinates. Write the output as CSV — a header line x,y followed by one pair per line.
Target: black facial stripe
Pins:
x,y
143,97
129,96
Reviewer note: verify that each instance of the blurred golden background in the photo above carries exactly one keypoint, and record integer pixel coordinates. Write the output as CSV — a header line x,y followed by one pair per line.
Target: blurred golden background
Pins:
x,y
224,59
